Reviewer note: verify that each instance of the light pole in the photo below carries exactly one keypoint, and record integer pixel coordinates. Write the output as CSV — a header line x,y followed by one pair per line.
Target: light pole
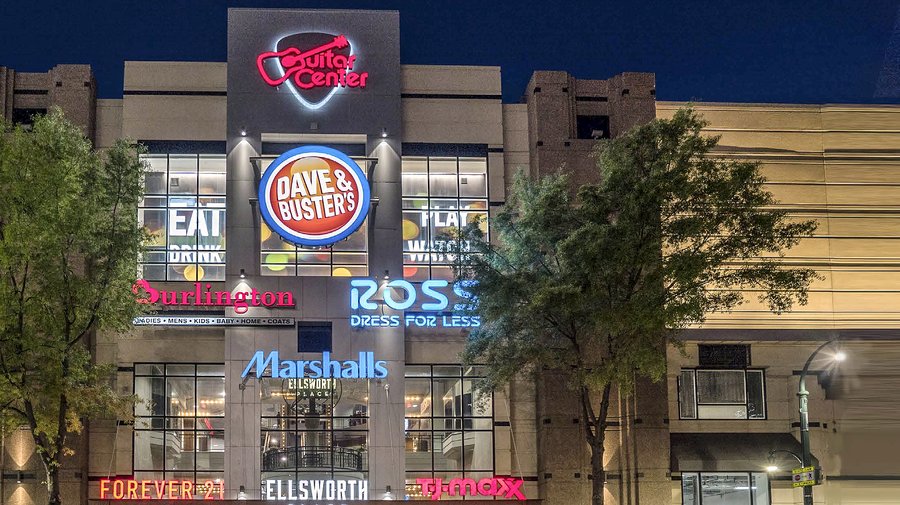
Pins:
x,y
772,466
803,394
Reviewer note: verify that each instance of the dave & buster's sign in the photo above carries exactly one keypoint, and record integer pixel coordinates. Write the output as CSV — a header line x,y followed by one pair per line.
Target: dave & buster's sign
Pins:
x,y
313,196
313,66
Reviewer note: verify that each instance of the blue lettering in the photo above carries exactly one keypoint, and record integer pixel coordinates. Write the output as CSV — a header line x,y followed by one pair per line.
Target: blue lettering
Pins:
x,y
380,370
261,365
441,299
459,288
362,300
404,285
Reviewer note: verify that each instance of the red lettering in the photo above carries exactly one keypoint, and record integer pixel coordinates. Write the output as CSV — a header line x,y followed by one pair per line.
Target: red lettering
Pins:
x,y
146,294
104,488
132,490
118,490
187,490
311,68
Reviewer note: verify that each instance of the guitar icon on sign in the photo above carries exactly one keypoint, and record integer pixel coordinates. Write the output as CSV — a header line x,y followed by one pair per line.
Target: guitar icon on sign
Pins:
x,y
292,60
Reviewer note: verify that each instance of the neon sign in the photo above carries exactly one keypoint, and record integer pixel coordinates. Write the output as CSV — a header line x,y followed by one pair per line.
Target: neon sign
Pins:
x,y
503,487
203,296
366,367
313,66
432,295
315,489
313,196
127,489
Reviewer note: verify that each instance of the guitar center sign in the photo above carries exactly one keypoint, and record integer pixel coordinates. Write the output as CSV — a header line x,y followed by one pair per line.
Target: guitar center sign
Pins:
x,y
312,65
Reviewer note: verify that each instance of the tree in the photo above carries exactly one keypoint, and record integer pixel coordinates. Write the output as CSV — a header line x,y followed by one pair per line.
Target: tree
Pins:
x,y
69,241
597,282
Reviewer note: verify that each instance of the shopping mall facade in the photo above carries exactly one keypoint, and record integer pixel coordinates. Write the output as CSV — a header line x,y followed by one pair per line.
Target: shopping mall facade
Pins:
x,y
302,360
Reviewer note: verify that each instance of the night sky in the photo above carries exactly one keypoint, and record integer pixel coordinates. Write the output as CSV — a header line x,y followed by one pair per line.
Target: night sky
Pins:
x,y
787,51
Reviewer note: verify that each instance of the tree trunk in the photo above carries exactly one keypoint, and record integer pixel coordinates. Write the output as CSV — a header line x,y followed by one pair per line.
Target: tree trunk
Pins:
x,y
598,473
595,433
53,484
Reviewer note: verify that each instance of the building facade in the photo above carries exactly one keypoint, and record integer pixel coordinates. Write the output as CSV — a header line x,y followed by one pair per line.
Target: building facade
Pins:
x,y
381,405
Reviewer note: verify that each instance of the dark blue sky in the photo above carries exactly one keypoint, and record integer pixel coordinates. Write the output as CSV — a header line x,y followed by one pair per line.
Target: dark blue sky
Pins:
x,y
808,51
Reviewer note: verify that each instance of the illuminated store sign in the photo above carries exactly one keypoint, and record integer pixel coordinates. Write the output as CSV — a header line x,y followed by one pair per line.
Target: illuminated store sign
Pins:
x,y
313,196
366,367
203,296
186,224
433,295
122,489
501,487
313,66
310,388
211,321
315,489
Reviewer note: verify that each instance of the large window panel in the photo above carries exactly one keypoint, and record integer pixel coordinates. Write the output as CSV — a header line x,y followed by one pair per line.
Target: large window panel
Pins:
x,y
441,195
314,428
725,488
721,394
183,210
448,425
179,421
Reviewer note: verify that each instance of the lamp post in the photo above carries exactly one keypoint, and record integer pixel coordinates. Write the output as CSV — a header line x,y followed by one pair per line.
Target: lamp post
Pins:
x,y
774,468
803,394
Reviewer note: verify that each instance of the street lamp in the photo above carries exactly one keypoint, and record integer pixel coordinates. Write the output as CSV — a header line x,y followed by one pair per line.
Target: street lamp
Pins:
x,y
772,467
803,394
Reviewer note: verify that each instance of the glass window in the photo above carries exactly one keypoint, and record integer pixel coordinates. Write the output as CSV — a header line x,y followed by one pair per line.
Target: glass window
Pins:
x,y
314,428
184,212
725,488
721,394
448,425
179,421
347,258
441,195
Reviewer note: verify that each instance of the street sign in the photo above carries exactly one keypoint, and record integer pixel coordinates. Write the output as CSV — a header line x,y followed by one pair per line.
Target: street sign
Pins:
x,y
805,476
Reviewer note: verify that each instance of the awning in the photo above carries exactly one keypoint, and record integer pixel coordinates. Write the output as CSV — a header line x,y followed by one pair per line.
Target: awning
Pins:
x,y
728,452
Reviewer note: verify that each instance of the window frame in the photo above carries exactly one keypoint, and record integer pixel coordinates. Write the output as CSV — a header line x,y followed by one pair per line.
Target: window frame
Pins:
x,y
746,403
429,264
165,429
750,474
330,430
168,196
438,424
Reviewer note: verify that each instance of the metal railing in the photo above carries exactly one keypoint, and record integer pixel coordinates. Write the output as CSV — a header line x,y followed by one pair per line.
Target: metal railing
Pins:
x,y
313,457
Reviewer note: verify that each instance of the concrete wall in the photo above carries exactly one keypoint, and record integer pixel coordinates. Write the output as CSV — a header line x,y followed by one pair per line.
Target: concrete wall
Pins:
x,y
69,87
835,164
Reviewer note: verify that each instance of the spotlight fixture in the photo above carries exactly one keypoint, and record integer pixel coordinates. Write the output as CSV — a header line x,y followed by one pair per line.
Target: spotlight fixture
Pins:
x,y
384,133
243,274
243,132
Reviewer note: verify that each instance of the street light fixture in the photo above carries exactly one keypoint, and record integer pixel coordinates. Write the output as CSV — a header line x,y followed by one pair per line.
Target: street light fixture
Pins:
x,y
803,394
